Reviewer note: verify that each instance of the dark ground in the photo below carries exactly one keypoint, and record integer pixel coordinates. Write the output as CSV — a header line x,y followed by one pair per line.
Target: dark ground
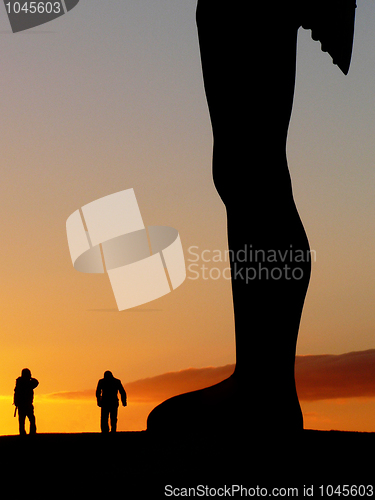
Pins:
x,y
137,465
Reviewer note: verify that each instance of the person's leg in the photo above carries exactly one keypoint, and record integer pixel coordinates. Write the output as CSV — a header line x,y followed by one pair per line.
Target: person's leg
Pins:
x,y
113,415
31,417
104,416
21,421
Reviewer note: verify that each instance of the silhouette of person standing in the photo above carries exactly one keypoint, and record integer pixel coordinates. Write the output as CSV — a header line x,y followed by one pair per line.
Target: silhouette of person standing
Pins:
x,y
107,399
23,400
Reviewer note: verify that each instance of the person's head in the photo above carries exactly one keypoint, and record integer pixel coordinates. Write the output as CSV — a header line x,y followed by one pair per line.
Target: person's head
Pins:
x,y
108,375
26,373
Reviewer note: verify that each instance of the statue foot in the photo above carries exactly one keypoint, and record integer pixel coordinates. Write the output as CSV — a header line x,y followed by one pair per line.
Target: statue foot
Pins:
x,y
226,409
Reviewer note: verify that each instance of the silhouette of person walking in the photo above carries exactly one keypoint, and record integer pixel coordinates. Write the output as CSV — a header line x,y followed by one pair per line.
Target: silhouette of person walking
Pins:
x,y
248,55
107,399
23,400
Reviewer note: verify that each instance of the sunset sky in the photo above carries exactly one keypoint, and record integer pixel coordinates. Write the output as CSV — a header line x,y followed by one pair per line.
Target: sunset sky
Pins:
x,y
109,97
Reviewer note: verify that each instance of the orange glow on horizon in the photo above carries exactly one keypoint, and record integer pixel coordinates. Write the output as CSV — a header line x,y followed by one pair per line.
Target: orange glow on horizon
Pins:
x,y
76,411
75,416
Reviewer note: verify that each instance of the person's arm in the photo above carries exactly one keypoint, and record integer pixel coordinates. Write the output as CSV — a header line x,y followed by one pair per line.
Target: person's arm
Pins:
x,y
34,383
14,397
98,394
122,394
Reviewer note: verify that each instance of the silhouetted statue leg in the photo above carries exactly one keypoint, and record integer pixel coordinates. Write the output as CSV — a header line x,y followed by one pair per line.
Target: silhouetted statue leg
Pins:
x,y
249,74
